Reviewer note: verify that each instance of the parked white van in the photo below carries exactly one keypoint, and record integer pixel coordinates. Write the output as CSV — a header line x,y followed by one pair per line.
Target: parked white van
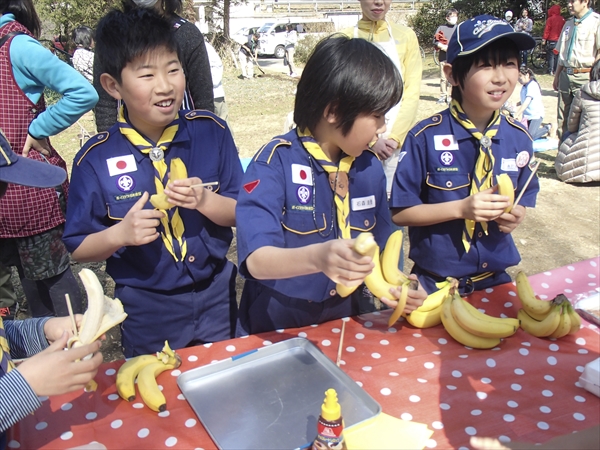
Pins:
x,y
272,33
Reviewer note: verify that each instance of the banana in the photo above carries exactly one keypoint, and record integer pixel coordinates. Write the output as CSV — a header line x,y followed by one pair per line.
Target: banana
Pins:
x,y
506,188
425,319
534,307
575,319
480,324
460,334
129,371
564,326
541,328
364,244
177,171
390,257
401,304
146,380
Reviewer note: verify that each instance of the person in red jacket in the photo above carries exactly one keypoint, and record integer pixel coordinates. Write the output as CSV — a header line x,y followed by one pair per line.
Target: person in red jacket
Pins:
x,y
552,30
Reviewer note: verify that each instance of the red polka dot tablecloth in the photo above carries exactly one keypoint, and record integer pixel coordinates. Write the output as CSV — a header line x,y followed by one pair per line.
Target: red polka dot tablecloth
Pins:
x,y
525,389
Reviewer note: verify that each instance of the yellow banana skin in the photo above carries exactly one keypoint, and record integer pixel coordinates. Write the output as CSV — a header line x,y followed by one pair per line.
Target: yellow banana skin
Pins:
x,y
480,324
535,308
460,334
506,188
390,258
542,328
364,244
128,372
575,319
177,171
148,387
429,314
564,326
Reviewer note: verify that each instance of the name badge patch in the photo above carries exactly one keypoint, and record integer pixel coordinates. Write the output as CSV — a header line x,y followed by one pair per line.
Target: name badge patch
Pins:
x,y
121,164
362,203
301,174
509,165
445,142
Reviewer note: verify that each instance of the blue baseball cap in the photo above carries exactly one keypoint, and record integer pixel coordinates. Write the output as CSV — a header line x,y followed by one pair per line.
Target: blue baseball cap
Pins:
x,y
474,34
25,171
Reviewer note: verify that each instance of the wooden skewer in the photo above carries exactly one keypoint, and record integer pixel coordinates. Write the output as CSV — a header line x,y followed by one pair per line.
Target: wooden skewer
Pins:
x,y
341,346
533,171
211,183
71,315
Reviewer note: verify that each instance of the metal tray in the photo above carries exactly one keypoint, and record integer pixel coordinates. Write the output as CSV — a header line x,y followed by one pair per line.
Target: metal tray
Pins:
x,y
271,398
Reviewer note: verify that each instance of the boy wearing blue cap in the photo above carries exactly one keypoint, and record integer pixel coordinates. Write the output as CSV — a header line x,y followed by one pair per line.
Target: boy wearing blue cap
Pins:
x,y
445,186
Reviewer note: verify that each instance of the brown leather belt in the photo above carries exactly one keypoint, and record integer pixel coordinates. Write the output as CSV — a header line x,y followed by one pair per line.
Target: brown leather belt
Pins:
x,y
572,71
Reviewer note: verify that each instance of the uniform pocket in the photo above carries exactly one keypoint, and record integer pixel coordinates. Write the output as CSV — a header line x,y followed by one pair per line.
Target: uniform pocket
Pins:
x,y
362,220
447,186
303,223
117,210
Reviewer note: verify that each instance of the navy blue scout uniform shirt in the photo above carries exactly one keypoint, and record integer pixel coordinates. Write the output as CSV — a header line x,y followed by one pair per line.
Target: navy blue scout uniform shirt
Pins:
x,y
286,201
436,165
109,175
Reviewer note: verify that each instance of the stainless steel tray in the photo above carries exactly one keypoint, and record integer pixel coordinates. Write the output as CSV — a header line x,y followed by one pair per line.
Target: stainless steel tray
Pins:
x,y
271,398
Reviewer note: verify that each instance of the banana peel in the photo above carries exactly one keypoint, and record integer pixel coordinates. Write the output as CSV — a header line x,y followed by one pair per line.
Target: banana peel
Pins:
x,y
177,171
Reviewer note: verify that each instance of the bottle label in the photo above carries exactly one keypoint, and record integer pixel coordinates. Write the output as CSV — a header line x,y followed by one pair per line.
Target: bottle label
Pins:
x,y
329,435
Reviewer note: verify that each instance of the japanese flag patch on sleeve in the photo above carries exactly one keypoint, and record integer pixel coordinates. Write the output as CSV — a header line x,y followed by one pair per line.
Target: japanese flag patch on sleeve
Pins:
x,y
445,142
121,164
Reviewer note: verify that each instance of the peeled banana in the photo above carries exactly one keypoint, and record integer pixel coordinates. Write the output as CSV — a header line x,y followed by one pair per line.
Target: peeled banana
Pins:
x,y
506,188
534,307
480,324
177,171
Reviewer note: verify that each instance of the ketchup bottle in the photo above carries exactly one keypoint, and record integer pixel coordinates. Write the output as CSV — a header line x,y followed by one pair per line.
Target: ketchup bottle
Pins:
x,y
330,426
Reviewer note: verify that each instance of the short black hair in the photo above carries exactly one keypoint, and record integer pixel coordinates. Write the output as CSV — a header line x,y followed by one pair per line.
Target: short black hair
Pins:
x,y
122,37
451,11
498,52
352,77
83,36
169,7
24,13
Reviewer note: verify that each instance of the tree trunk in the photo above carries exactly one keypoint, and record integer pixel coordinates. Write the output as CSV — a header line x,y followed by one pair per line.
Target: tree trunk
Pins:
x,y
226,4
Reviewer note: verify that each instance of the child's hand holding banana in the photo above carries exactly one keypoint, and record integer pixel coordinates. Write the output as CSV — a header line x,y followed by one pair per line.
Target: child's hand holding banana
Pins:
x,y
415,298
343,264
180,193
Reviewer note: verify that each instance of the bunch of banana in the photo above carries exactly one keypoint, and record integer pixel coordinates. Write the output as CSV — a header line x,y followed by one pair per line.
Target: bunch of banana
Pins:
x,y
145,369
429,314
553,319
506,187
177,171
471,327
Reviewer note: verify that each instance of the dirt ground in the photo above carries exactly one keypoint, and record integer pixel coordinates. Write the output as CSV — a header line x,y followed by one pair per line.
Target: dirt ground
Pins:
x,y
562,229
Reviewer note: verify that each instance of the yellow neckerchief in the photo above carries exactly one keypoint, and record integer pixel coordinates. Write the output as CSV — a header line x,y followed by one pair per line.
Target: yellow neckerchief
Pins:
x,y
6,363
171,219
342,202
483,175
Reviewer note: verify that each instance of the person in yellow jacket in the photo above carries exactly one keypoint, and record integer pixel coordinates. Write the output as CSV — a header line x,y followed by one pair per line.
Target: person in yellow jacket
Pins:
x,y
400,44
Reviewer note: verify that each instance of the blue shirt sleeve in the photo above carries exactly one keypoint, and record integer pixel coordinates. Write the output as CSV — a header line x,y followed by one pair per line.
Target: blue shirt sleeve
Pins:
x,y
34,68
17,399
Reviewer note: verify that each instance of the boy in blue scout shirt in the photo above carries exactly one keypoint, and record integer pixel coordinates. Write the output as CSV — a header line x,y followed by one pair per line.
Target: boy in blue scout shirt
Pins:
x,y
444,188
306,194
169,265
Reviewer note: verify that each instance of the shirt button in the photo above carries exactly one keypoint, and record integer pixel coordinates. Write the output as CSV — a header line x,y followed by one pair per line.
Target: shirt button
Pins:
x,y
366,223
332,292
191,258
484,265
479,234
449,184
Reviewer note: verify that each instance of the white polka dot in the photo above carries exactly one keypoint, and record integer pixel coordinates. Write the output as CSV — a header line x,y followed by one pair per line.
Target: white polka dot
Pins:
x,y
545,409
543,425
485,300
591,275
548,378
160,387
13,444
110,372
144,432
553,347
91,415
192,358
437,425
463,356
359,336
409,348
526,344
580,369
384,342
431,443
359,383
392,330
568,291
421,380
350,349
406,416
580,341
368,324
512,294
503,438
548,274
230,348
265,344
450,387
116,424
582,351
593,263
375,355
138,405
43,398
545,285
486,380
578,416
207,345
519,372
476,412
508,418
41,426
512,404
437,352
402,359
175,373
302,334
414,398
190,423
181,397
66,435
113,397
547,393
429,365
444,406
489,290
456,374
164,414
471,431
524,351
367,368
481,395
325,342
490,362
551,360
579,398
442,341
515,387
508,304
170,442
385,391
568,280
394,374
